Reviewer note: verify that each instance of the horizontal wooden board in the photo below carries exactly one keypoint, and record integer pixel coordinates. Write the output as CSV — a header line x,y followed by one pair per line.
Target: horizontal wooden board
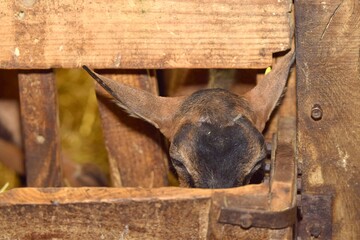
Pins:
x,y
142,34
119,213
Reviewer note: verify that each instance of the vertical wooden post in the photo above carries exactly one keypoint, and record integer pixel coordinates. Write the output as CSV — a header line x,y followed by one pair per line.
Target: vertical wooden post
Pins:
x,y
39,118
328,88
134,146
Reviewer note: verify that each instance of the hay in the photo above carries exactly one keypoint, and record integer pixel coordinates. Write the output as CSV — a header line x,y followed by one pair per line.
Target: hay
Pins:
x,y
80,128
8,177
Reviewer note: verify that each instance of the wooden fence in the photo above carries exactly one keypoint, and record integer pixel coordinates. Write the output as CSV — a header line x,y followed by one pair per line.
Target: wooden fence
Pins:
x,y
38,36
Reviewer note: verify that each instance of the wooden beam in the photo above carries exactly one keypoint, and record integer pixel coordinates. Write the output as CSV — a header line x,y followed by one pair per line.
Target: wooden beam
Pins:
x,y
283,179
107,213
39,117
136,155
122,213
328,42
143,34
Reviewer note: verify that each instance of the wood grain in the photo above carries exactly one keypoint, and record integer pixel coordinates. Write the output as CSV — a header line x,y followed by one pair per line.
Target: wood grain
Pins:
x,y
282,178
135,151
107,213
39,118
142,34
328,74
125,213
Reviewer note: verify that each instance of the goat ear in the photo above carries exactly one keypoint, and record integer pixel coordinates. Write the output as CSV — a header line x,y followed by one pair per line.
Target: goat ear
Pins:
x,y
159,111
264,97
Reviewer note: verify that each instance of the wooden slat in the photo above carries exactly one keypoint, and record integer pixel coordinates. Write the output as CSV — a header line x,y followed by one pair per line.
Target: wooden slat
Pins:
x,y
142,34
39,117
328,74
286,131
110,213
135,151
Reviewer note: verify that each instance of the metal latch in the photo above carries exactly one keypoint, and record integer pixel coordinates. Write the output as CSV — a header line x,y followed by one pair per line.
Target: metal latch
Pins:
x,y
316,217
247,218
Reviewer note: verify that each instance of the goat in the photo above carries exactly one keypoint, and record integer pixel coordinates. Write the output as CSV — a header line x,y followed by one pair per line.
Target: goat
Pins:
x,y
215,136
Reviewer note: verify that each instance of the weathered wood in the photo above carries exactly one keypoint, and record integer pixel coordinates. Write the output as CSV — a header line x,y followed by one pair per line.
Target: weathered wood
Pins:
x,y
158,213
328,74
135,151
142,34
108,213
282,179
39,117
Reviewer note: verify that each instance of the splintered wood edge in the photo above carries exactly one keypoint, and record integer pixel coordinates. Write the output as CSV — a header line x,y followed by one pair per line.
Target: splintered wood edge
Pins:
x,y
55,196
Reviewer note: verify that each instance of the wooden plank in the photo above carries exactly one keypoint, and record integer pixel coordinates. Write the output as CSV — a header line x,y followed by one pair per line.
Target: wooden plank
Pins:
x,y
328,74
142,34
103,214
136,155
283,179
117,213
39,117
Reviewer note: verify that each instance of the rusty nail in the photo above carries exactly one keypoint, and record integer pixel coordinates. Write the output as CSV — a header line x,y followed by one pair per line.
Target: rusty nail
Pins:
x,y
316,112
246,221
315,230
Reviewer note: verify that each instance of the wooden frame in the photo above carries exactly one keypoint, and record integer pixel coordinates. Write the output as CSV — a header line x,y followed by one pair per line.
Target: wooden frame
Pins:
x,y
185,34
107,34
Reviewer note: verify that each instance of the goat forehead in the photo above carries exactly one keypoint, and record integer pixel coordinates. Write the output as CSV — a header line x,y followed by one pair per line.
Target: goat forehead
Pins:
x,y
212,105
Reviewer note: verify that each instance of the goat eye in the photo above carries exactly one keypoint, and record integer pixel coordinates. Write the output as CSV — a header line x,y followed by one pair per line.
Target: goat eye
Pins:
x,y
177,163
183,173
